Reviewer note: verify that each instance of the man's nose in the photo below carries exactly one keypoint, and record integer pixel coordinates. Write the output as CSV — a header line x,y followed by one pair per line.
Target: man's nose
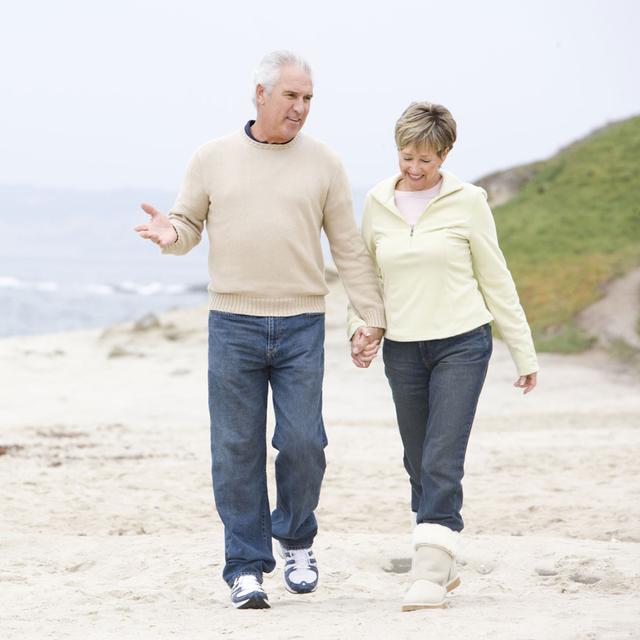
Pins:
x,y
298,105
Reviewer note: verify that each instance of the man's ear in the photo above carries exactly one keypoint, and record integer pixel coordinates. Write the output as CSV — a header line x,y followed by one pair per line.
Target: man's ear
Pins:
x,y
260,93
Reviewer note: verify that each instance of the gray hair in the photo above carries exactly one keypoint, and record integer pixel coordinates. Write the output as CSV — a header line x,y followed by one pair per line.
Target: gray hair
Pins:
x,y
267,73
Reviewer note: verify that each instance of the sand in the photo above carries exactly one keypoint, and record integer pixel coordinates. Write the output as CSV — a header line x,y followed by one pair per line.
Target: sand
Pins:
x,y
108,528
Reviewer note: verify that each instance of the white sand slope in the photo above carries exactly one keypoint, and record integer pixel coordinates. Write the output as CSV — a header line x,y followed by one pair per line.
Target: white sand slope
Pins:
x,y
107,526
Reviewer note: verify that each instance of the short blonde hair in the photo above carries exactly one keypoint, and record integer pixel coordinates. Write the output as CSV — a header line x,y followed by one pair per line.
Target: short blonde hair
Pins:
x,y
425,124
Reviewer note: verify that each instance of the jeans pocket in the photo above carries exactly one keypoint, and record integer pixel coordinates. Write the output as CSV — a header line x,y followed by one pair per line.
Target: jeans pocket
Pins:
x,y
477,341
484,333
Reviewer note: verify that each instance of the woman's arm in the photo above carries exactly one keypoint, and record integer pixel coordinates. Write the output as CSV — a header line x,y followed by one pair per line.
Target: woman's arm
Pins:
x,y
499,290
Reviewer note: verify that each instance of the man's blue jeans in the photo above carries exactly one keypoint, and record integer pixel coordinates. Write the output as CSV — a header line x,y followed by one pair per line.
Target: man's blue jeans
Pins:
x,y
435,386
246,355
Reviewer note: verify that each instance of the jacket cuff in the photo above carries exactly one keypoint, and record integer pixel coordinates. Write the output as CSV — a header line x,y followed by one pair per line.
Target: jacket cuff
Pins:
x,y
526,365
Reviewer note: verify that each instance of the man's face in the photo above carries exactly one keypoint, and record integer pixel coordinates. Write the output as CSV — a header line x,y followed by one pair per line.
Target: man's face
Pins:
x,y
282,112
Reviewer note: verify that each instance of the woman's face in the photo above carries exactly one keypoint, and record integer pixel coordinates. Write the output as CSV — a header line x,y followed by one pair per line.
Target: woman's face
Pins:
x,y
420,167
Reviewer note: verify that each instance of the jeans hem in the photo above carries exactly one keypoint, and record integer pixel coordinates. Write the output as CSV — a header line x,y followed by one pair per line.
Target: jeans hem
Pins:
x,y
454,527
297,546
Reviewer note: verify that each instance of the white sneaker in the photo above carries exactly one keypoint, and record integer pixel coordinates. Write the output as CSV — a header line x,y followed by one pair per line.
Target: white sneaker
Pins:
x,y
300,569
247,593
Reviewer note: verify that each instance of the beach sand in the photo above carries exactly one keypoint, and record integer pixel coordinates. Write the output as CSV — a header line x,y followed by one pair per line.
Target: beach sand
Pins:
x,y
108,529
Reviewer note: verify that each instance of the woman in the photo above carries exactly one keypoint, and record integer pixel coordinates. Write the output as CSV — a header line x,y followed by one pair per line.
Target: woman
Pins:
x,y
444,278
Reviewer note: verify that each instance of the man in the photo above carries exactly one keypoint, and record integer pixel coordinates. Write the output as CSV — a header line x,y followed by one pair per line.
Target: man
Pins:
x,y
265,193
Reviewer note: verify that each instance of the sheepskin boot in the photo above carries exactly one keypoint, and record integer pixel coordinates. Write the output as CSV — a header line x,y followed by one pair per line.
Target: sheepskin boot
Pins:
x,y
433,569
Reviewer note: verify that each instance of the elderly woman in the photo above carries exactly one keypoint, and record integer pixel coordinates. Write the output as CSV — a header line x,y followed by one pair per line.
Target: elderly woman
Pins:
x,y
445,279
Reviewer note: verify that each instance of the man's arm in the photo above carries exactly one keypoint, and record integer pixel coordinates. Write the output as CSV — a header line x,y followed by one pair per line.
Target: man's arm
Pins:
x,y
365,341
190,210
181,230
350,255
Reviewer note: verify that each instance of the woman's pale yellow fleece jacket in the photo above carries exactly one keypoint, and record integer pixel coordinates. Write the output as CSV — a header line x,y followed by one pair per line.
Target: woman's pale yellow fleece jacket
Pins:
x,y
446,274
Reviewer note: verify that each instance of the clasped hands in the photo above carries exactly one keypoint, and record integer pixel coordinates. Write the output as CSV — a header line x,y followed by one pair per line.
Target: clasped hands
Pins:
x,y
365,344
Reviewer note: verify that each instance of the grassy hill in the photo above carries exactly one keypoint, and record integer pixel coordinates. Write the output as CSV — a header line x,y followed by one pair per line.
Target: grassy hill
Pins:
x,y
573,225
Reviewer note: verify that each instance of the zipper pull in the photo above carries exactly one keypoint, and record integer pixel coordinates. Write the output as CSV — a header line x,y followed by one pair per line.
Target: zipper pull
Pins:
x,y
411,234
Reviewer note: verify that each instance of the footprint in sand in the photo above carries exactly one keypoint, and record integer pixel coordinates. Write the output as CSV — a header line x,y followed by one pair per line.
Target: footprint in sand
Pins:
x,y
575,570
398,565
82,566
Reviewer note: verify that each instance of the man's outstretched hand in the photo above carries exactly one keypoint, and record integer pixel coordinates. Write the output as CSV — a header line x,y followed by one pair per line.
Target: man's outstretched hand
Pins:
x,y
159,229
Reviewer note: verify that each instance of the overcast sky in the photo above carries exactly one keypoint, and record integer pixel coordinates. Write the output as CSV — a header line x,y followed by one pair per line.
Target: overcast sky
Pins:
x,y
119,93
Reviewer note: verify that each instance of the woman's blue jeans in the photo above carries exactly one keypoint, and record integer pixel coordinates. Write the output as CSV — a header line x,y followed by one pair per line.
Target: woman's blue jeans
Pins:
x,y
247,354
435,386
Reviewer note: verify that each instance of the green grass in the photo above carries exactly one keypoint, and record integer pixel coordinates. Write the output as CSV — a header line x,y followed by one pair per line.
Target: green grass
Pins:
x,y
622,351
569,338
572,228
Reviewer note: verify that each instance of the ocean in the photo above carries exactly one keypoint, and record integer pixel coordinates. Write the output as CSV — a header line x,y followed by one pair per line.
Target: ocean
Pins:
x,y
71,260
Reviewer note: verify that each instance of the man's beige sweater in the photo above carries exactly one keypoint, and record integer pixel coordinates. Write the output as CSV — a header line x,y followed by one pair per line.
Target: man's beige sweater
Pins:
x,y
264,206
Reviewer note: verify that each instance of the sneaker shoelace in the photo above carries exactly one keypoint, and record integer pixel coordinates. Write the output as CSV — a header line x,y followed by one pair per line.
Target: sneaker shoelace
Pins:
x,y
247,583
301,558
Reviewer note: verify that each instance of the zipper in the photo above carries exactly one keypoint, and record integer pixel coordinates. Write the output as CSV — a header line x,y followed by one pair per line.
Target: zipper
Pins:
x,y
434,201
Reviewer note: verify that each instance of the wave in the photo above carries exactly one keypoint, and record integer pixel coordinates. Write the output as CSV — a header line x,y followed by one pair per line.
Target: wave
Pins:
x,y
8,282
127,287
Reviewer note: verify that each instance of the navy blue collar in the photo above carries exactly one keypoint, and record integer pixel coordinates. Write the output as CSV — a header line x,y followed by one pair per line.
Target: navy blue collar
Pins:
x,y
247,130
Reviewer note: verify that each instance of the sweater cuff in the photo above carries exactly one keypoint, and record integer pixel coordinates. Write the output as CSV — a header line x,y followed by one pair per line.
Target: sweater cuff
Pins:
x,y
373,319
172,249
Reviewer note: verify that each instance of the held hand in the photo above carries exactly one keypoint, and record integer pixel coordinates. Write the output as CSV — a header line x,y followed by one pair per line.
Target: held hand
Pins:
x,y
365,344
366,357
159,229
527,383
365,336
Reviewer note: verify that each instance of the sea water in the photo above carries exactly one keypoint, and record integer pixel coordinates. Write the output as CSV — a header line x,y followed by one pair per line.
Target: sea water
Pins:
x,y
71,260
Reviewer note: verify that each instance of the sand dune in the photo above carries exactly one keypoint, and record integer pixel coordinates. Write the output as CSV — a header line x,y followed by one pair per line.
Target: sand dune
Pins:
x,y
108,528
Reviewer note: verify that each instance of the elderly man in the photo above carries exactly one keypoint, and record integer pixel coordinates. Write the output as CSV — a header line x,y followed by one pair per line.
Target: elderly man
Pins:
x,y
264,194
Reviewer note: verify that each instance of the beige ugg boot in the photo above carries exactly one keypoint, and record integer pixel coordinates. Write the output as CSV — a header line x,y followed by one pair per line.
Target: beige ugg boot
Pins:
x,y
433,569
